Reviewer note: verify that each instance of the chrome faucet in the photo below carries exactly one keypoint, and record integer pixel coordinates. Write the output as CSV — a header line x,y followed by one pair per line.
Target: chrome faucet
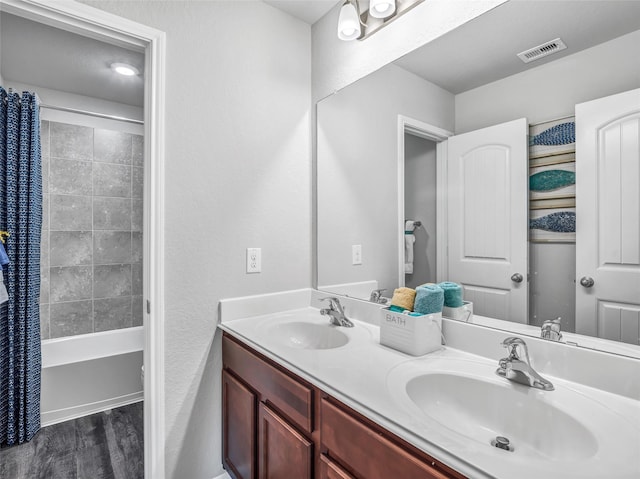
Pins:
x,y
376,296
551,329
335,312
515,369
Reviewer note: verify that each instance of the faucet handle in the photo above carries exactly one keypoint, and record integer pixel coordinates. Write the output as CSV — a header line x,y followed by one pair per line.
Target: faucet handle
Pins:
x,y
512,343
334,303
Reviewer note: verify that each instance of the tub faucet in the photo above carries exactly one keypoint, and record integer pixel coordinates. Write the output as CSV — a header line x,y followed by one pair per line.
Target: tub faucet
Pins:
x,y
515,369
551,329
376,296
336,313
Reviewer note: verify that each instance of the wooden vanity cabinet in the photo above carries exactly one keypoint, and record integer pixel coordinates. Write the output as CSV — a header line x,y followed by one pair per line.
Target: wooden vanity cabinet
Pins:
x,y
278,426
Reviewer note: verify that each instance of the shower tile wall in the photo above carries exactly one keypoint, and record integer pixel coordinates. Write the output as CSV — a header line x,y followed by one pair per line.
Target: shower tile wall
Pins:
x,y
92,230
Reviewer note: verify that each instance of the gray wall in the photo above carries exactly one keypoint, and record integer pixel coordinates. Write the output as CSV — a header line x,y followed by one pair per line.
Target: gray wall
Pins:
x,y
420,191
238,175
92,230
358,172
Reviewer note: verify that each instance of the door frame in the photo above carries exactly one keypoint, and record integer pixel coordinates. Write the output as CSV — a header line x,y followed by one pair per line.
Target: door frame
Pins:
x,y
100,25
429,132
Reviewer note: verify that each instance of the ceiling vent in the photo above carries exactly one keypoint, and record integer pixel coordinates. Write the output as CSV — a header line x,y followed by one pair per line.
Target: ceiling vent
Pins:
x,y
543,50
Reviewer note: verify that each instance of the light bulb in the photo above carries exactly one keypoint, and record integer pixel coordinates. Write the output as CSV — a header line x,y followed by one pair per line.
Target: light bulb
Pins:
x,y
124,69
382,8
348,22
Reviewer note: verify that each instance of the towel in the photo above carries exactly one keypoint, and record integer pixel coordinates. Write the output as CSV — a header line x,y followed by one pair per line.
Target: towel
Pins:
x,y
409,239
403,297
429,299
452,294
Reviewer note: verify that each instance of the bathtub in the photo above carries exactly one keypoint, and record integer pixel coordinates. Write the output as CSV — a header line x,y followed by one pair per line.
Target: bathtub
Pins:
x,y
90,373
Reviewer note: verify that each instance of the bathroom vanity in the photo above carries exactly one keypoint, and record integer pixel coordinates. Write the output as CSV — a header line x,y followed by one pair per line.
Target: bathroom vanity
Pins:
x,y
306,399
274,421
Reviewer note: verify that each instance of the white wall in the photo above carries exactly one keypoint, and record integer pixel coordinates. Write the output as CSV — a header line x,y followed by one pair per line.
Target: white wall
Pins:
x,y
357,171
238,169
336,63
420,204
544,93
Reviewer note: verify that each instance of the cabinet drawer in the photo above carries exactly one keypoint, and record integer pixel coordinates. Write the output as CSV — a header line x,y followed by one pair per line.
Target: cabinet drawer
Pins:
x,y
368,454
330,470
290,397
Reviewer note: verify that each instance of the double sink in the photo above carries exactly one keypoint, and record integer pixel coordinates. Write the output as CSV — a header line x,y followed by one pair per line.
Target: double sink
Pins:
x,y
454,401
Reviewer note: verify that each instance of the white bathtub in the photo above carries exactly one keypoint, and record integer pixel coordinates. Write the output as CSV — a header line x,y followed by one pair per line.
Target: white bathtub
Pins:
x,y
90,373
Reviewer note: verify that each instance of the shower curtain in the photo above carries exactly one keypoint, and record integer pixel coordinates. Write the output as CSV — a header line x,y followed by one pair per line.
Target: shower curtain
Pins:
x,y
21,217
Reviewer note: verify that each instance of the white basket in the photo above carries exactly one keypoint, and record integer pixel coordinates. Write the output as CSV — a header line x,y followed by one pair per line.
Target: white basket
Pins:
x,y
461,313
415,335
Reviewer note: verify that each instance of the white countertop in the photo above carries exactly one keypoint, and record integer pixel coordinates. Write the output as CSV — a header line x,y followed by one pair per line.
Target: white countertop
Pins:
x,y
363,375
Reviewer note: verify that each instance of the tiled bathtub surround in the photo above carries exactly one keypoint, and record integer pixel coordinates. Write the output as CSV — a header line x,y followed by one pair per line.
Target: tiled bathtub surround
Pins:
x,y
92,230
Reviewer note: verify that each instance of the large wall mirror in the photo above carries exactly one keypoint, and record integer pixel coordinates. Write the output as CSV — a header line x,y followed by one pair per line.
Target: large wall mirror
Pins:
x,y
384,153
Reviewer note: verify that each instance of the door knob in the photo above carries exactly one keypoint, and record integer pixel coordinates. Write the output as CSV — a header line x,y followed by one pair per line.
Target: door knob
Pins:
x,y
517,278
586,281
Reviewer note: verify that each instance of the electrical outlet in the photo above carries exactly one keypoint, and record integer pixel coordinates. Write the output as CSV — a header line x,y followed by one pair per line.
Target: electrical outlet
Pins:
x,y
356,254
254,260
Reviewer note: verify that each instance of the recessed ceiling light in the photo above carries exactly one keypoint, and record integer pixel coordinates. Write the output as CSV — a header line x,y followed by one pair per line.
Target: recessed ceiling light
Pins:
x,y
124,69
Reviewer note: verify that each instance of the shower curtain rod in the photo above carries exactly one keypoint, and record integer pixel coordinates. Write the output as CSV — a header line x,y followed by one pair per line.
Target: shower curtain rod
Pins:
x,y
92,113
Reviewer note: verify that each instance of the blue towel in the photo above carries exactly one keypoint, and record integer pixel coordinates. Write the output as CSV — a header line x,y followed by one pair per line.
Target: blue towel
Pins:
x,y
452,294
429,299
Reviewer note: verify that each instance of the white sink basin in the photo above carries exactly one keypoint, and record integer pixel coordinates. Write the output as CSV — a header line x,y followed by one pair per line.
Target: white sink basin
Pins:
x,y
306,335
482,410
571,429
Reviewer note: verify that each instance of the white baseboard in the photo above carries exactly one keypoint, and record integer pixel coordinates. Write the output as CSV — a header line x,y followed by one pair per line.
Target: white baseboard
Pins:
x,y
61,415
224,475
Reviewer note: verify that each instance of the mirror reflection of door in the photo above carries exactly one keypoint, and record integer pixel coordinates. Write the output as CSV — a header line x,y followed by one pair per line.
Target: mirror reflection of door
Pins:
x,y
608,210
487,218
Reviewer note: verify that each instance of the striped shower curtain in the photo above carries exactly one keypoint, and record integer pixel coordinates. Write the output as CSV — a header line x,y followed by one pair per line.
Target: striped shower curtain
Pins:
x,y
21,217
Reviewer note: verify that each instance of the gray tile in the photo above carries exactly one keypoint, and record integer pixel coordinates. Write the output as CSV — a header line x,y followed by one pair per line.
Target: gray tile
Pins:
x,y
136,247
45,175
111,247
70,213
69,319
112,313
70,283
112,146
71,141
136,215
44,251
112,281
112,214
44,286
137,310
45,211
71,248
137,150
44,321
137,182
44,139
136,278
111,180
70,177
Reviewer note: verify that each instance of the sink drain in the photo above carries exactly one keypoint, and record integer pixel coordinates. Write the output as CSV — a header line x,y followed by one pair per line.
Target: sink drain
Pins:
x,y
502,442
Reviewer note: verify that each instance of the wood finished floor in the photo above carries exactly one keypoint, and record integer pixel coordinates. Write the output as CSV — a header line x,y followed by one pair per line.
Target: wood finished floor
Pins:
x,y
106,445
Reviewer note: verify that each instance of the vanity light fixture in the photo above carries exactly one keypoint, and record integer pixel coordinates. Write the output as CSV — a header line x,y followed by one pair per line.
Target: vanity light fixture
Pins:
x,y
359,19
125,69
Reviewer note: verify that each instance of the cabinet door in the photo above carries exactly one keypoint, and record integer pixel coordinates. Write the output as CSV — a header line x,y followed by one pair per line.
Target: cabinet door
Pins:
x,y
238,428
283,453
330,470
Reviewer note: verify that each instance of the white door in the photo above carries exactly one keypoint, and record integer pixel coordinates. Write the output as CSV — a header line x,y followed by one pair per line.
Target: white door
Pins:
x,y
487,181
608,217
